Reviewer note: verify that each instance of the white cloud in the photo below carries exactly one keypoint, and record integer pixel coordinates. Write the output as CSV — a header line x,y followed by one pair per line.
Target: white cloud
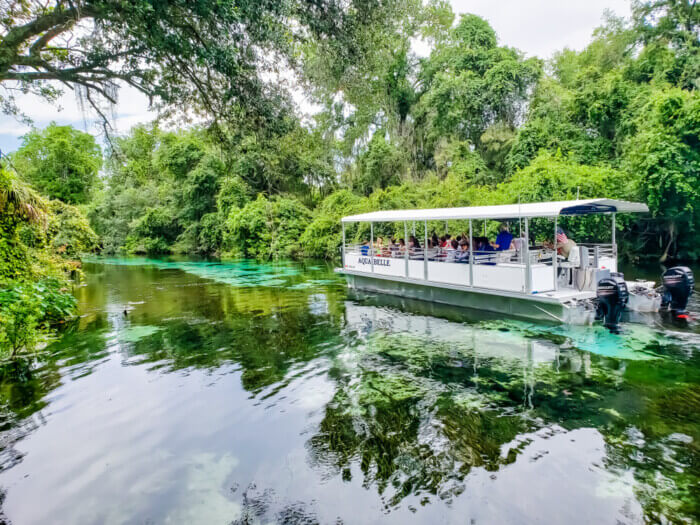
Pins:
x,y
541,27
536,27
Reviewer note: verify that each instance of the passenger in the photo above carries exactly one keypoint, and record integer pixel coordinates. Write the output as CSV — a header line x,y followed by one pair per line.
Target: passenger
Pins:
x,y
393,248
402,247
566,247
451,251
364,249
379,247
414,248
443,241
504,241
484,248
462,255
434,238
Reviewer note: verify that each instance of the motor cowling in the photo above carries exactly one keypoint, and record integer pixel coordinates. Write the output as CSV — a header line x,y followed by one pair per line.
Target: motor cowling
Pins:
x,y
678,283
612,296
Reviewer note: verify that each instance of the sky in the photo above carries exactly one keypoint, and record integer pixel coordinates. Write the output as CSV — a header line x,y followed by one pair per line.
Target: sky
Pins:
x,y
536,27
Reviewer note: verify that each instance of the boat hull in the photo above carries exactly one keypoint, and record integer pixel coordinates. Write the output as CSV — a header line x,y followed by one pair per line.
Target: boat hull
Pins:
x,y
533,307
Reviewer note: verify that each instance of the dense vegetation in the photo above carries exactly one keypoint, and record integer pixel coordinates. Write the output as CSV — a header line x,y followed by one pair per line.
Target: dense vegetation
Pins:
x,y
473,122
39,240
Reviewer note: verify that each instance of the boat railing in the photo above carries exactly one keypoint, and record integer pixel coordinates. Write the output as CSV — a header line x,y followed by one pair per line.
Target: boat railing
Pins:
x,y
443,255
536,255
604,250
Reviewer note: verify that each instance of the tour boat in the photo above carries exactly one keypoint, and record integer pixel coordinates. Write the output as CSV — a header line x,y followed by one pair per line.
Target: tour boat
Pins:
x,y
527,282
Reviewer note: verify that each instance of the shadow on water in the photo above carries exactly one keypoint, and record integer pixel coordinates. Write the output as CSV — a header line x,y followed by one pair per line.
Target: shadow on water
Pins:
x,y
244,392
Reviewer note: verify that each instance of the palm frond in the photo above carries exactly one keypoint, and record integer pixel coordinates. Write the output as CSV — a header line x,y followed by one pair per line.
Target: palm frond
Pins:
x,y
22,198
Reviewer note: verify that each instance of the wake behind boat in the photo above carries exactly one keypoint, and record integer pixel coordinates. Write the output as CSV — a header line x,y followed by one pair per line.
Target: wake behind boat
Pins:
x,y
555,280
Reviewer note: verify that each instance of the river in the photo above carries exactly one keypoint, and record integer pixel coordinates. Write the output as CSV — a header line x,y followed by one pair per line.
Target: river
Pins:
x,y
205,392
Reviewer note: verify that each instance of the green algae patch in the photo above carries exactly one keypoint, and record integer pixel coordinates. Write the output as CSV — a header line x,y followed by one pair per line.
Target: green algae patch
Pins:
x,y
136,333
241,274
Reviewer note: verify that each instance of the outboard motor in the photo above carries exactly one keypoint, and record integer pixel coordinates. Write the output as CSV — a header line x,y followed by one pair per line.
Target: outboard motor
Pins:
x,y
678,283
612,297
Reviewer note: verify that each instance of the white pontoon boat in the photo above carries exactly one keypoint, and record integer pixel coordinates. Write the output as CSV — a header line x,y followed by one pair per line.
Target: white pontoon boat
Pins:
x,y
529,282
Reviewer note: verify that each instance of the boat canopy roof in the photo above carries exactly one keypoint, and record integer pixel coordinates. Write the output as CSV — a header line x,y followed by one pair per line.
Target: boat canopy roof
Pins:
x,y
506,211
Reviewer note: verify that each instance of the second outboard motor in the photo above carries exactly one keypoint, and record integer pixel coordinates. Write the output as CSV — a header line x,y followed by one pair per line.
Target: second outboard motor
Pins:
x,y
678,285
612,297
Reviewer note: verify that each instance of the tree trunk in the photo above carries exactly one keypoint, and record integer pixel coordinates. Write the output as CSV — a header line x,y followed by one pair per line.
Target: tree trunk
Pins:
x,y
671,239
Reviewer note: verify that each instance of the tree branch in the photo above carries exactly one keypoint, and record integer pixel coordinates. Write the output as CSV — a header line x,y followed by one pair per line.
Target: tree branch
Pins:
x,y
43,40
19,35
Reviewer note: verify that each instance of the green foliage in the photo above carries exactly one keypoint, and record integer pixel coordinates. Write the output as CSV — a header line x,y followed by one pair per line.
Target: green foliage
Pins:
x,y
234,193
379,167
61,162
473,123
69,231
211,233
297,161
207,58
27,312
19,206
323,236
458,157
267,228
665,153
553,178
153,232
471,83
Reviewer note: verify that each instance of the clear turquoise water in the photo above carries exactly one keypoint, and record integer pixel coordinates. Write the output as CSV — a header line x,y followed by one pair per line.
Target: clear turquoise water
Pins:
x,y
201,392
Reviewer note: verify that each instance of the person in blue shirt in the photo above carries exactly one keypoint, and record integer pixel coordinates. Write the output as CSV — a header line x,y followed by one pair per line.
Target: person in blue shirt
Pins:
x,y
364,249
504,241
482,248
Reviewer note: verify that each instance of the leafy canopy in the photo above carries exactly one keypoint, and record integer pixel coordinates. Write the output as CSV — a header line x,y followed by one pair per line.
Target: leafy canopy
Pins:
x,y
61,162
208,56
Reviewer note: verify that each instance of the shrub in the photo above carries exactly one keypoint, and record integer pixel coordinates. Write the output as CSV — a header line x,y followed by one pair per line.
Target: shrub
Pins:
x,y
267,229
322,237
153,233
210,233
28,311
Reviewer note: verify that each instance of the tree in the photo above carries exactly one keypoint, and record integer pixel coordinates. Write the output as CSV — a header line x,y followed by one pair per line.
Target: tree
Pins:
x,y
470,83
207,56
673,26
378,167
61,162
297,161
665,153
267,228
19,205
377,91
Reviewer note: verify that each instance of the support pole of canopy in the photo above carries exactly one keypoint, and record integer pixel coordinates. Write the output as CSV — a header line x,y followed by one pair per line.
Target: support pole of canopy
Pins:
x,y
425,252
446,227
614,243
554,255
526,254
343,249
414,228
405,245
371,245
471,255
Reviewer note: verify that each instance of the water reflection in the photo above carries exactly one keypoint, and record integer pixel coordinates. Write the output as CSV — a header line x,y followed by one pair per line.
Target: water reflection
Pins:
x,y
196,392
